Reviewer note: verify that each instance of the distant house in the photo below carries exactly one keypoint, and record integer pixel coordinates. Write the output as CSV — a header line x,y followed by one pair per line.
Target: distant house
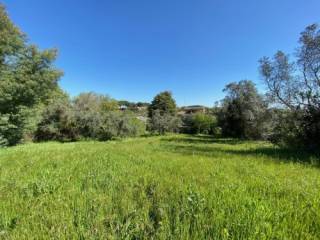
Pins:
x,y
123,107
192,109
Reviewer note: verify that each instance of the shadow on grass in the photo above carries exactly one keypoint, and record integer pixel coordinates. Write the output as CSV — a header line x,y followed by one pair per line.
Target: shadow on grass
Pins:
x,y
203,139
279,154
210,146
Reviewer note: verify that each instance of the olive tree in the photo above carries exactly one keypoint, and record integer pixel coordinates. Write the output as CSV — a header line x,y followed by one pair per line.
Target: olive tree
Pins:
x,y
243,111
295,86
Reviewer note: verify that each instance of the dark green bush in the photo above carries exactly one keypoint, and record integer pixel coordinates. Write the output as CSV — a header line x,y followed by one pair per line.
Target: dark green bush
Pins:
x,y
243,113
58,123
120,124
162,123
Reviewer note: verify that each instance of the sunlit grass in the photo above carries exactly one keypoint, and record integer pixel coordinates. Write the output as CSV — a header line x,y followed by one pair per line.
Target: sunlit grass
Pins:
x,y
173,187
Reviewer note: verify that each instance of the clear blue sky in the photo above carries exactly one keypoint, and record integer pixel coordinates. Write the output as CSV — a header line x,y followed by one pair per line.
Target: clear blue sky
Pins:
x,y
132,49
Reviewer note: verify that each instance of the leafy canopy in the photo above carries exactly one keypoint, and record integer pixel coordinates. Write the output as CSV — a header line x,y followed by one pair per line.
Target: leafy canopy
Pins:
x,y
164,103
27,77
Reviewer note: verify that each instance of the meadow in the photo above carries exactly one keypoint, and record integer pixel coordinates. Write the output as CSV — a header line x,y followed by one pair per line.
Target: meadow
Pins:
x,y
169,187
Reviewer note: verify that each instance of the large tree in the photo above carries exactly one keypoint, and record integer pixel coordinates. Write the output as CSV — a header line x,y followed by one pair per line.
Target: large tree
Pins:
x,y
243,111
164,103
27,76
89,108
295,85
162,114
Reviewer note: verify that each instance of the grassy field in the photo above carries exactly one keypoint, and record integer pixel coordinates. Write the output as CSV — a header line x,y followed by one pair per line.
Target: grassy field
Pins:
x,y
173,187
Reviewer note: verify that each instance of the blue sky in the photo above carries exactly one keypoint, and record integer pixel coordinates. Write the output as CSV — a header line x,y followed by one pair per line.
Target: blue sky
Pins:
x,y
133,49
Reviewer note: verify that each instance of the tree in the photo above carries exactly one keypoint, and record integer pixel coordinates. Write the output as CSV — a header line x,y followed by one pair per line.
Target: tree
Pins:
x,y
243,111
27,77
203,123
162,114
120,124
58,122
162,123
295,85
109,104
164,103
87,111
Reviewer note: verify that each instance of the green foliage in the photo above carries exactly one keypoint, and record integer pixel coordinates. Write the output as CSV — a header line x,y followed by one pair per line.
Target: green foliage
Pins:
x,y
244,112
203,123
88,108
162,114
26,78
161,123
58,122
199,123
172,187
164,103
12,126
5,127
109,104
295,86
88,116
120,124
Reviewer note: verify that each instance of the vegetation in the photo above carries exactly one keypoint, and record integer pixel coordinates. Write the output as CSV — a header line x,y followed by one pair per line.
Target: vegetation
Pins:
x,y
163,123
200,123
88,116
27,77
296,87
162,114
243,111
172,187
164,103
164,187
34,108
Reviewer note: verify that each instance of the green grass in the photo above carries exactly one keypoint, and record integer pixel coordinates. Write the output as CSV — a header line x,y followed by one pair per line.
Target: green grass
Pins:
x,y
173,187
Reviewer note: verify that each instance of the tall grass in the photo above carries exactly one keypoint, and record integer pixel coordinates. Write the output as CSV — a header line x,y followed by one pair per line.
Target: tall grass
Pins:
x,y
174,187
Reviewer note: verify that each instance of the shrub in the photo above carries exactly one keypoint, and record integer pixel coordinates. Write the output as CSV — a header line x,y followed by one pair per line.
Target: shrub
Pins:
x,y
199,123
12,126
120,124
162,123
203,123
58,123
87,111
296,129
243,111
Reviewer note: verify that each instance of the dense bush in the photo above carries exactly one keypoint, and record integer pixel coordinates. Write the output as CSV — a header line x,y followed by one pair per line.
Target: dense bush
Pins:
x,y
86,117
120,124
243,113
58,123
5,129
162,123
199,123
204,123
296,129
88,108
162,114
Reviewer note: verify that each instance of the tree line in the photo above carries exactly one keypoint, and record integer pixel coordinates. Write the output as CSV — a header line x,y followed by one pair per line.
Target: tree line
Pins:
x,y
34,108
